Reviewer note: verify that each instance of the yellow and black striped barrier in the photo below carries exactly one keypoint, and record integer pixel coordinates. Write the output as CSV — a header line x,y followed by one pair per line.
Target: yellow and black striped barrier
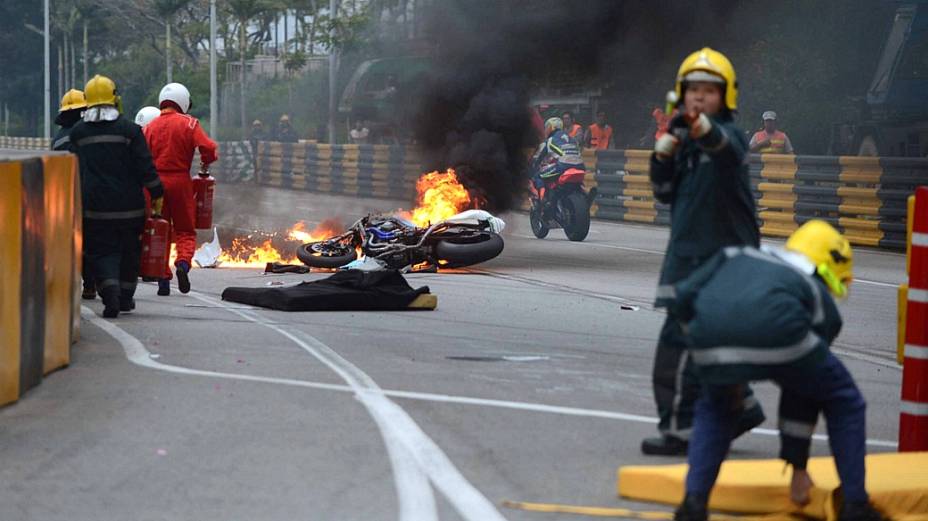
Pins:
x,y
25,143
864,197
363,170
40,233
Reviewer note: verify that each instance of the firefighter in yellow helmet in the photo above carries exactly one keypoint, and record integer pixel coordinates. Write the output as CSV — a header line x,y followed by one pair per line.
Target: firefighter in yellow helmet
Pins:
x,y
115,167
69,113
769,314
698,167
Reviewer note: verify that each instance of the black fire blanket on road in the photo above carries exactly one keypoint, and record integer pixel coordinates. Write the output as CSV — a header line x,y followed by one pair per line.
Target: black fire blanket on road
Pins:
x,y
351,290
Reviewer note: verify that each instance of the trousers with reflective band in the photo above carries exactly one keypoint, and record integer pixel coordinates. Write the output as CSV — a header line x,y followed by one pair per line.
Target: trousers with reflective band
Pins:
x,y
826,387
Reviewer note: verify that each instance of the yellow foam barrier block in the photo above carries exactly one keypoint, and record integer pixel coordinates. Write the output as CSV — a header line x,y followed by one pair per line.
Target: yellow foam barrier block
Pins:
x,y
897,483
426,301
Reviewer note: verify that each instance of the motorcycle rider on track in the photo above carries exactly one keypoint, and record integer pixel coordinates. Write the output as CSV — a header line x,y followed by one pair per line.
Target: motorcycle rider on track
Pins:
x,y
556,155
173,136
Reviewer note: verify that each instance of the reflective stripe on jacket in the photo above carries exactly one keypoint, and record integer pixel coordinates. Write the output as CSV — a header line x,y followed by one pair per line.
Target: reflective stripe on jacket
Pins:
x,y
746,311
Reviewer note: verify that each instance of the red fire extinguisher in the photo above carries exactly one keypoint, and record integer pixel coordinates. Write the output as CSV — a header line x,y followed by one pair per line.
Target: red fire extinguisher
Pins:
x,y
203,187
155,246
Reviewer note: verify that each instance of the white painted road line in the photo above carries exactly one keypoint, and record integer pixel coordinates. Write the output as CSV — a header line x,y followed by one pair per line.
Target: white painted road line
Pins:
x,y
139,355
397,426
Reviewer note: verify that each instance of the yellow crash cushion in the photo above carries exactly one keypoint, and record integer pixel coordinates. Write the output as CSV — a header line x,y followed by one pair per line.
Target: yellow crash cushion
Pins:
x,y
426,301
897,483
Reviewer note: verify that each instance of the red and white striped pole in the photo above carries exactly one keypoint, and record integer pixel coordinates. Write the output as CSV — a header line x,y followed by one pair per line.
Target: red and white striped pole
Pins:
x,y
913,420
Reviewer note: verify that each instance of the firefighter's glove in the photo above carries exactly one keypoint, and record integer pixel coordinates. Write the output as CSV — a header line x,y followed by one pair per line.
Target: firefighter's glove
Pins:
x,y
699,124
665,146
157,205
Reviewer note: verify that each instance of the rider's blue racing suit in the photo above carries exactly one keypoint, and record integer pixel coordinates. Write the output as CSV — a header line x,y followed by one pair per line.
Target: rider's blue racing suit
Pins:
x,y
555,155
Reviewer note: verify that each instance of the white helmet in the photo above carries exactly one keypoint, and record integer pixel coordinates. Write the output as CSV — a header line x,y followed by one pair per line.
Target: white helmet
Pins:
x,y
146,114
553,124
177,93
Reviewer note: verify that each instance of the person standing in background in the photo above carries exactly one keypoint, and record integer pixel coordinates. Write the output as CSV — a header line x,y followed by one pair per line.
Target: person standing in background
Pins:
x,y
770,140
599,134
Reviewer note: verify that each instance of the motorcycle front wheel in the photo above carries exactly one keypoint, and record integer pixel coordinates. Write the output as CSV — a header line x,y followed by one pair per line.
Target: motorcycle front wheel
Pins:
x,y
323,254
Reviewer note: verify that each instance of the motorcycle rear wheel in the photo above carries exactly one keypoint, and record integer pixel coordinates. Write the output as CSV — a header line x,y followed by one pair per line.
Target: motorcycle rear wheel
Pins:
x,y
577,224
314,255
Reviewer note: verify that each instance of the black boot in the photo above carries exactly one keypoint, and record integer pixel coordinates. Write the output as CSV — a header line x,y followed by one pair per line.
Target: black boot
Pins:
x,y
183,279
164,287
110,296
693,508
860,512
126,302
665,445
89,293
749,419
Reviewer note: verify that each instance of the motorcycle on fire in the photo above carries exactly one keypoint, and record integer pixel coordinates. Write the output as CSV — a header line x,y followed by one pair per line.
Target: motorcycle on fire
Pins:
x,y
562,203
466,239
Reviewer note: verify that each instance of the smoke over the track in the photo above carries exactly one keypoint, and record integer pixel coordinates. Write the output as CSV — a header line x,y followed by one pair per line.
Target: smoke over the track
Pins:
x,y
473,111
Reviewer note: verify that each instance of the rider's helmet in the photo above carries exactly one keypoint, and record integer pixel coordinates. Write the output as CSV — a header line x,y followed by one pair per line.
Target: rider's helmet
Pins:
x,y
709,65
831,253
553,125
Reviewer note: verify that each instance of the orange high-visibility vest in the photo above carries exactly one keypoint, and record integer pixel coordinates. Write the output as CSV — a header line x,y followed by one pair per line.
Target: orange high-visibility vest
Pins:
x,y
574,130
777,142
600,136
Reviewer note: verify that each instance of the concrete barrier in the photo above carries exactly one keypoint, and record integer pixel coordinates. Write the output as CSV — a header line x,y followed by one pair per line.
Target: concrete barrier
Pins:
x,y
40,230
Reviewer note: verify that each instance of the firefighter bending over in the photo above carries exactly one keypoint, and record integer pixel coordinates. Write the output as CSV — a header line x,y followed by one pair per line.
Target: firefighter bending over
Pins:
x,y
768,314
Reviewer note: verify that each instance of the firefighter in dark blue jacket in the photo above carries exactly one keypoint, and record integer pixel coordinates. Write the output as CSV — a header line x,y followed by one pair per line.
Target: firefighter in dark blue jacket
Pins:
x,y
556,155
767,314
700,168
69,113
72,106
115,166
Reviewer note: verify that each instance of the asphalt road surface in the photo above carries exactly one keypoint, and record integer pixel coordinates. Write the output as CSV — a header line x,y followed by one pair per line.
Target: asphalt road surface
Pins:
x,y
530,382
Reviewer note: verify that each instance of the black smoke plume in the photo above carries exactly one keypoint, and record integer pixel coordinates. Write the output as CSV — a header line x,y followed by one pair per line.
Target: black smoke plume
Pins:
x,y
473,110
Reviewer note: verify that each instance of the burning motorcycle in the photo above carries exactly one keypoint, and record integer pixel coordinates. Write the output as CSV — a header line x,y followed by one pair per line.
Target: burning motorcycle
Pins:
x,y
464,239
562,203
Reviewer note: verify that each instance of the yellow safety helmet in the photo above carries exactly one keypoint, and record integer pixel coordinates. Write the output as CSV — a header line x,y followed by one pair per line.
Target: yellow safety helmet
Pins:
x,y
72,100
713,66
101,90
831,253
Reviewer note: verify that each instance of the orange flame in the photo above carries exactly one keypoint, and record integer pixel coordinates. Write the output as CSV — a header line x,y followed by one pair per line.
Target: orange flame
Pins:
x,y
242,254
439,195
